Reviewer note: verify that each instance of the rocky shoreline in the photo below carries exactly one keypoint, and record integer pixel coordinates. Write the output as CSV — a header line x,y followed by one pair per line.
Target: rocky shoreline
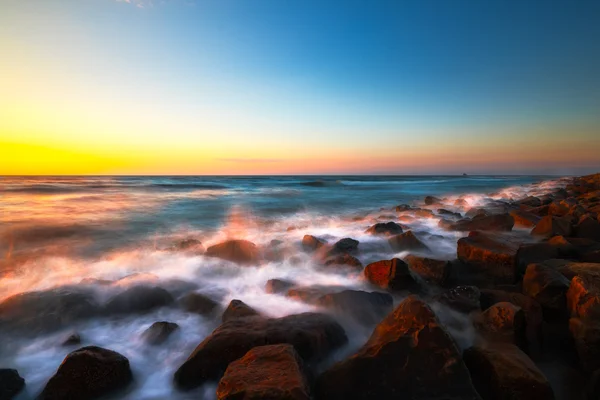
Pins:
x,y
525,284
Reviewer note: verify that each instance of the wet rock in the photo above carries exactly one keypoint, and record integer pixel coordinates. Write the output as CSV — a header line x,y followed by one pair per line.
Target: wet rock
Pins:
x,y
502,371
385,228
391,274
313,336
461,298
586,335
188,245
198,303
548,287
429,269
237,251
403,207
311,243
583,296
272,372
277,286
588,228
535,253
367,308
11,383
34,312
159,332
424,213
72,339
237,309
524,219
461,203
531,201
409,354
493,255
343,261
476,211
496,222
503,322
406,241
541,211
448,213
430,200
138,299
88,373
552,226
346,245
311,294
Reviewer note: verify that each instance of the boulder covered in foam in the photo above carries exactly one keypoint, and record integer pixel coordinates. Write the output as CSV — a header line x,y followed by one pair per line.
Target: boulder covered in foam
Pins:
x,y
238,309
407,241
159,332
385,229
138,299
237,251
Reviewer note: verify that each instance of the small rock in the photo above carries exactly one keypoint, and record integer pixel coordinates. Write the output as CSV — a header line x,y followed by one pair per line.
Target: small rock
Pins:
x,y
237,251
238,309
552,226
406,241
198,303
344,260
346,245
430,200
72,339
159,332
311,243
385,228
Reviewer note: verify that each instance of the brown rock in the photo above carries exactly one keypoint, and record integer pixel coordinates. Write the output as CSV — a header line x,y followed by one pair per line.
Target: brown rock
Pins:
x,y
493,255
159,332
531,201
238,309
551,226
524,219
276,286
535,253
390,274
344,260
430,200
311,243
272,372
583,297
367,308
409,354
406,241
314,336
462,298
198,303
503,372
541,211
588,228
387,229
311,294
586,335
237,251
346,245
435,271
496,222
548,287
503,322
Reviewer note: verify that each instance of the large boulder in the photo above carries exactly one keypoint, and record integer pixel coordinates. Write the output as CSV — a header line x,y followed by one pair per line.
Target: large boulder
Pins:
x,y
429,269
11,383
237,251
430,200
391,274
238,309
407,241
345,245
524,219
531,201
503,322
33,312
343,261
409,355
535,253
385,228
311,243
586,336
494,256
138,299
552,226
366,307
311,294
583,297
88,373
504,372
198,303
461,298
159,332
313,336
480,222
588,228
548,287
272,372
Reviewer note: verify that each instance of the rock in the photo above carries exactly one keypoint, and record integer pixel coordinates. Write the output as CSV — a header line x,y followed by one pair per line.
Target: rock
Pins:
x,y
238,309
11,383
406,241
541,211
344,260
403,207
429,269
237,251
272,372
461,203
311,243
346,245
448,213
502,371
549,288
535,253
390,274
159,332
462,298
531,201
138,299
72,339
588,228
552,226
430,200
385,228
424,213
364,307
503,322
524,219
311,294
586,335
277,286
88,373
188,245
314,336
496,222
34,312
494,256
409,355
583,296
475,211
198,303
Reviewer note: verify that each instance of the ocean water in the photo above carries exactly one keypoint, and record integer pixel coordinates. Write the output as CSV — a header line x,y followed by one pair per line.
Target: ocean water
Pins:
x,y
71,231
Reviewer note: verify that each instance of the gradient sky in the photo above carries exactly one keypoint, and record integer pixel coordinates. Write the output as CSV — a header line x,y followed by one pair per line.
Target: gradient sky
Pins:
x,y
299,87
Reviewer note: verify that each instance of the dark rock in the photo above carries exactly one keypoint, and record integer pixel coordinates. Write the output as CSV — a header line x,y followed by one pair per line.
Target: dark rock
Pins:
x,y
138,299
272,372
237,251
198,303
503,322
159,332
188,245
552,226
586,335
11,383
524,219
34,312
365,307
409,355
548,287
448,213
588,228
390,274
535,253
531,201
311,294
88,373
344,260
385,228
406,241
238,309
541,211
72,339
583,296
461,298
311,243
434,271
502,371
475,211
346,245
430,200
313,336
496,222
403,207
424,213
276,286
493,255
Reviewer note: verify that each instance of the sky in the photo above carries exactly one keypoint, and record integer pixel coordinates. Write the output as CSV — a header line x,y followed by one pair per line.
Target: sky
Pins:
x,y
299,87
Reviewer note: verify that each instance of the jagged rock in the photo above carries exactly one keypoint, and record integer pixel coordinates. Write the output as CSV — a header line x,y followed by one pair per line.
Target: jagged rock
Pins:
x,y
276,286
461,298
552,226
531,201
72,339
11,383
343,260
493,255
159,332
390,274
503,322
311,243
138,299
409,354
548,287
583,296
431,270
385,228
535,253
272,372
406,241
88,373
365,307
238,309
502,371
480,222
198,303
313,336
524,219
237,251
588,228
586,335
